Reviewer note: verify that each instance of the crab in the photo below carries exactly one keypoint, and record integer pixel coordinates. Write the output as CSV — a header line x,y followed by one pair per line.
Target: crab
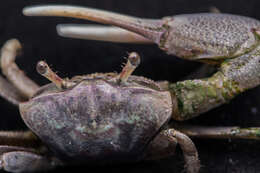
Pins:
x,y
112,118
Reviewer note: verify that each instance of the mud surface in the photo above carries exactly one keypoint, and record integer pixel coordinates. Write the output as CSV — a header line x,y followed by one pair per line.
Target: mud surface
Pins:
x,y
71,57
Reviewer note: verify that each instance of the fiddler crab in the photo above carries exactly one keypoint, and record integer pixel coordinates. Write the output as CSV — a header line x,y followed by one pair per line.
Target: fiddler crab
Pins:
x,y
110,117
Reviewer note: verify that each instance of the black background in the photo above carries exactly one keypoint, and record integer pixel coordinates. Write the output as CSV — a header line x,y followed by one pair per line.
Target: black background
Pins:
x,y
70,57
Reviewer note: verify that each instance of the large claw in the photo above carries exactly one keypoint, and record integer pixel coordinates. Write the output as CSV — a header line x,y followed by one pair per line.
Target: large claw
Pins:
x,y
148,28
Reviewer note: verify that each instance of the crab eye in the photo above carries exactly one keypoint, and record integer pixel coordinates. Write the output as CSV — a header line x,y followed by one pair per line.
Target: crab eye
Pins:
x,y
132,63
43,69
134,59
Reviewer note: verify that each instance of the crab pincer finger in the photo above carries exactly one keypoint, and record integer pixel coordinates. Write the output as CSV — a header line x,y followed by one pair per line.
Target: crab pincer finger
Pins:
x,y
101,33
148,28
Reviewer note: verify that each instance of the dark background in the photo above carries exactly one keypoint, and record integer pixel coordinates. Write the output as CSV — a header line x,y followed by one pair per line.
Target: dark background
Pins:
x,y
70,57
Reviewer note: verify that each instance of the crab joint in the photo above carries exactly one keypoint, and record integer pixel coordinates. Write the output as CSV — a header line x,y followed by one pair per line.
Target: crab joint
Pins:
x,y
132,62
43,69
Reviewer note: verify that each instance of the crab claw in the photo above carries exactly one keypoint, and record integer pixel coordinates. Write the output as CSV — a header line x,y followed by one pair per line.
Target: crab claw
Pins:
x,y
150,29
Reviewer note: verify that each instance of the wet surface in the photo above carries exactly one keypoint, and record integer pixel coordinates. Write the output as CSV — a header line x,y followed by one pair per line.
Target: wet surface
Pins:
x,y
71,57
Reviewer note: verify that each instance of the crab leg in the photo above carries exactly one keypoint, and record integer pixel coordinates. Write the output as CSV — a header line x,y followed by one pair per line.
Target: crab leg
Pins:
x,y
26,161
161,147
101,33
19,138
8,53
188,148
164,146
220,132
9,92
23,152
148,28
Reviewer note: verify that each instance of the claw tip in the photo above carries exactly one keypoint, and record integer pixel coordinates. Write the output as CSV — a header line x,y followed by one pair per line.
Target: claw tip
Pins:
x,y
26,11
59,29
35,10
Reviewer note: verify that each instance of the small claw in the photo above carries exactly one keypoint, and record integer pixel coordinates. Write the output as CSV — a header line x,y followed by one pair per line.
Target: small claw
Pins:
x,y
150,29
101,33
